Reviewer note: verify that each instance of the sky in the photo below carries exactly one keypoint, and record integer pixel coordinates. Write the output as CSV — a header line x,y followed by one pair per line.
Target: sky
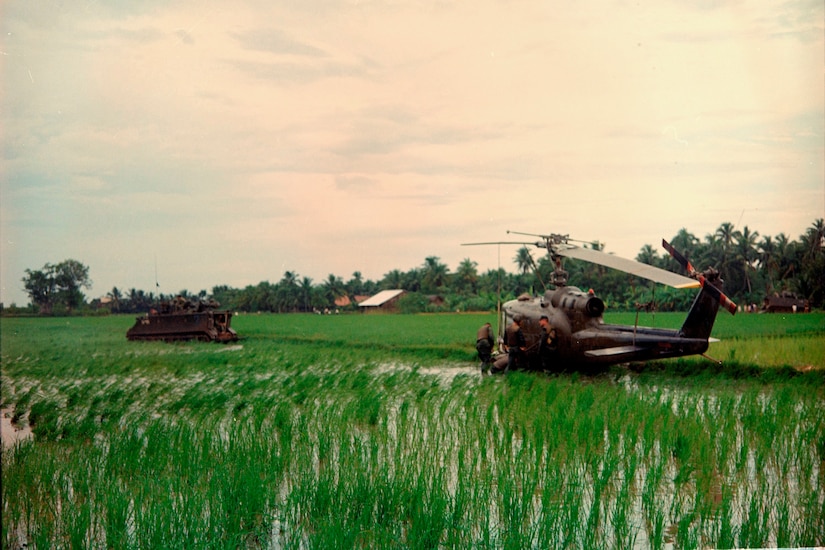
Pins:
x,y
204,143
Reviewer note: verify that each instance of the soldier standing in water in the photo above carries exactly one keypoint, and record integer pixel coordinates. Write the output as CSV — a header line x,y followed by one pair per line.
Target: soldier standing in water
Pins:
x,y
547,343
516,344
484,345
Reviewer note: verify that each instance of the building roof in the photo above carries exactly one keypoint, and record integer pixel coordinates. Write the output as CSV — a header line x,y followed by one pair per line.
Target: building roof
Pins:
x,y
381,298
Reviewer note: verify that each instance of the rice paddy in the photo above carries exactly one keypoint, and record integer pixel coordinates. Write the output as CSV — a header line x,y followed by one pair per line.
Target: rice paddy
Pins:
x,y
379,431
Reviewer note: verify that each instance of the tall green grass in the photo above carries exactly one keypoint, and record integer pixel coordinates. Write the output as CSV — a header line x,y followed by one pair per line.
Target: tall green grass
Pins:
x,y
312,433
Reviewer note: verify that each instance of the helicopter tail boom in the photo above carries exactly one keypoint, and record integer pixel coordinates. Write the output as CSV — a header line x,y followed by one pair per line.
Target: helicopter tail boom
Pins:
x,y
701,316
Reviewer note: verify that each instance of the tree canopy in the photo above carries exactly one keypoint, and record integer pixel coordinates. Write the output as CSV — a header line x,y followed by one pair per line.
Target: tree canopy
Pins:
x,y
753,266
57,284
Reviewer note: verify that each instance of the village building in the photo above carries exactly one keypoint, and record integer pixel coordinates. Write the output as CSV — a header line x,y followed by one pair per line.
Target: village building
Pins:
x,y
345,301
384,301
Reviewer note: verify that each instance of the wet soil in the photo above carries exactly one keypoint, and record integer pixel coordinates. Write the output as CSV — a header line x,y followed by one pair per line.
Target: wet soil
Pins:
x,y
12,433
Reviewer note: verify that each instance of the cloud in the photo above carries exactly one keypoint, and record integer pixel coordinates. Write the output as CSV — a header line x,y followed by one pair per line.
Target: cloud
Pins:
x,y
276,42
185,36
280,73
358,183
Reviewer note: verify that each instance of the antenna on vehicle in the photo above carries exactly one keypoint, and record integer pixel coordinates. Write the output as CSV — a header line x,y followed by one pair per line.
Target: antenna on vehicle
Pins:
x,y
157,285
499,332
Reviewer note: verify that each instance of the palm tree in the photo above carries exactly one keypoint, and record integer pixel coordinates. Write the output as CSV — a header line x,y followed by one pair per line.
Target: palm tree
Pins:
x,y
768,261
708,252
544,269
465,279
524,260
413,280
716,249
392,280
334,288
115,295
257,298
492,281
746,252
306,292
139,300
436,274
814,238
647,255
355,285
290,278
726,235
785,257
811,280
287,295
684,241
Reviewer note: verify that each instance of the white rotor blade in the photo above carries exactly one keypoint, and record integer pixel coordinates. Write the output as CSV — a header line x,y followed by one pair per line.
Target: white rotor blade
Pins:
x,y
628,266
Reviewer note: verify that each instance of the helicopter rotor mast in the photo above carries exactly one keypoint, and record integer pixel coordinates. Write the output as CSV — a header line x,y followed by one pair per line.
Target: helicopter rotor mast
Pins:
x,y
559,246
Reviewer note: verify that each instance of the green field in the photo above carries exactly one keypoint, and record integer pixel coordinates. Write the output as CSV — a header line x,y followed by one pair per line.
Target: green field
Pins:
x,y
379,431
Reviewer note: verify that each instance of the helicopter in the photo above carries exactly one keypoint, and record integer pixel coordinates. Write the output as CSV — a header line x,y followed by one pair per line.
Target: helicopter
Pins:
x,y
582,338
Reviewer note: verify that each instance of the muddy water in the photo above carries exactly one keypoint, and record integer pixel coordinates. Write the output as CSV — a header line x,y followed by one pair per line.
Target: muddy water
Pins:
x,y
11,433
444,373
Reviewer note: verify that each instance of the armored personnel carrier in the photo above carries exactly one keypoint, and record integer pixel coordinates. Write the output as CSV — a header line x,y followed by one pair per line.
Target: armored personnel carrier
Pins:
x,y
182,319
785,302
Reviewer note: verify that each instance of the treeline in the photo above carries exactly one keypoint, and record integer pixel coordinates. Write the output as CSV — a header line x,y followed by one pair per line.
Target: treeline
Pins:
x,y
753,267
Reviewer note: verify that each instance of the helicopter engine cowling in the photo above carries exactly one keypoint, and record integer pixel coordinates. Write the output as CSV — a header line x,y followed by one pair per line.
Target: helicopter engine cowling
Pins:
x,y
573,299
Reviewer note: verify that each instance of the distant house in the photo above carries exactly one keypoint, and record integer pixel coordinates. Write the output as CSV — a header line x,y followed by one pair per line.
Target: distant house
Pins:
x,y
344,301
102,302
386,300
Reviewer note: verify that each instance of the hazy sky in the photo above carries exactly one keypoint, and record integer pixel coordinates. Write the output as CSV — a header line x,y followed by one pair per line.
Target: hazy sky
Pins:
x,y
228,142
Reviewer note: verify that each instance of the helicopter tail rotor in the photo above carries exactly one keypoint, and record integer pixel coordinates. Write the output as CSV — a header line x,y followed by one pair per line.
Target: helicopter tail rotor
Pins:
x,y
707,280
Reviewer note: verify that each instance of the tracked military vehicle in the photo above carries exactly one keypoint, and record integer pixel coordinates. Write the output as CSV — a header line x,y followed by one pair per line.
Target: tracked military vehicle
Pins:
x,y
785,302
182,319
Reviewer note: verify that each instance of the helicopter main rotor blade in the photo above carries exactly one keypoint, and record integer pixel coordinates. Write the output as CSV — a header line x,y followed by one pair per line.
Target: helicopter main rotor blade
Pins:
x,y
628,266
538,244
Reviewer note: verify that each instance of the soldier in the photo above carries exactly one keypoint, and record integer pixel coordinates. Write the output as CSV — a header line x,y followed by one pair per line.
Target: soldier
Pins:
x,y
547,343
516,344
484,345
